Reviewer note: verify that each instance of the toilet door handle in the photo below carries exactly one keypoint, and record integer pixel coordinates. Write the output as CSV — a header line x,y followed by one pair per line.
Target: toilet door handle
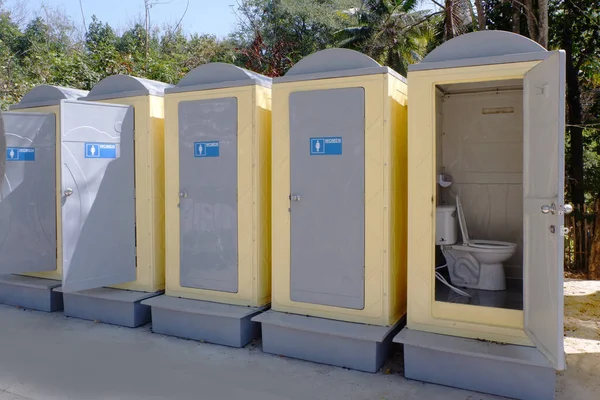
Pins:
x,y
549,209
552,209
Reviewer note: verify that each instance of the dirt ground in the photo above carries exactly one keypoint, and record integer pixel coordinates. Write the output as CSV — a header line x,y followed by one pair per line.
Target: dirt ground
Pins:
x,y
49,356
581,380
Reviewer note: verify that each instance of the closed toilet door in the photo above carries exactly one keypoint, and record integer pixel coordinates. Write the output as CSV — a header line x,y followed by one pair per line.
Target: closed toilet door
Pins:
x,y
327,136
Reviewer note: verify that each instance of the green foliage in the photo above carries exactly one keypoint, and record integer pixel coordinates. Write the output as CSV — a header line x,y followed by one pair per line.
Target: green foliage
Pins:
x,y
392,32
49,51
273,35
575,27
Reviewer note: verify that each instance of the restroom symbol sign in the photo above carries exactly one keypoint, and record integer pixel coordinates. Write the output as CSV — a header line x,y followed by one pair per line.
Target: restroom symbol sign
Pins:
x,y
91,151
20,154
317,146
100,150
326,146
206,149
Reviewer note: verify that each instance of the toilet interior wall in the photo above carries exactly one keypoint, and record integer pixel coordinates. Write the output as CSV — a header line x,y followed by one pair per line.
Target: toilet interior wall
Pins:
x,y
480,145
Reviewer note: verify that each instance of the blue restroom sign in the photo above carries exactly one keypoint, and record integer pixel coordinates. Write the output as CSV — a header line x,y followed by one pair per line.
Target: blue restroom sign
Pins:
x,y
100,150
20,154
326,146
206,149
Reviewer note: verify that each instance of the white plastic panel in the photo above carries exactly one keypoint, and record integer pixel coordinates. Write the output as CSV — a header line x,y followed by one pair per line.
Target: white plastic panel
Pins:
x,y
28,194
98,206
544,93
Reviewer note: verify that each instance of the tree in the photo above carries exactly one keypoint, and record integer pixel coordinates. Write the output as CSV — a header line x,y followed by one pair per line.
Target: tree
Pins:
x,y
575,29
12,73
101,43
392,32
458,17
275,34
481,20
537,20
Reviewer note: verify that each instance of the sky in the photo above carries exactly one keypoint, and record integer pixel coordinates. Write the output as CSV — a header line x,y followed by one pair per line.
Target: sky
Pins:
x,y
203,16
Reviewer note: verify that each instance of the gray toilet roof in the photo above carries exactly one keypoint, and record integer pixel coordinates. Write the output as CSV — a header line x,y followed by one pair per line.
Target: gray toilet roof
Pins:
x,y
217,76
335,63
47,95
119,86
481,48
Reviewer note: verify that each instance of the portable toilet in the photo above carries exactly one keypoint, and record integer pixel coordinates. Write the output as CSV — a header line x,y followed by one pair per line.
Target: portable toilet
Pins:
x,y
30,245
486,161
113,191
339,211
217,144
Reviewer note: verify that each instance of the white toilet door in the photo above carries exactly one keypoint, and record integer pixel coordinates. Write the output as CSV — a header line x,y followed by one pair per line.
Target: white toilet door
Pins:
x,y
98,197
543,191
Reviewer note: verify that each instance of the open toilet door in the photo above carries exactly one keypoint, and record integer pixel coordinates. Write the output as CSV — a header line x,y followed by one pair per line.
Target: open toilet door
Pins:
x,y
98,197
28,194
543,205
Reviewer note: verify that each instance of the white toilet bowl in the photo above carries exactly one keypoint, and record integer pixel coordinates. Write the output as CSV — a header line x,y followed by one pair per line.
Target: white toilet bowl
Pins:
x,y
477,264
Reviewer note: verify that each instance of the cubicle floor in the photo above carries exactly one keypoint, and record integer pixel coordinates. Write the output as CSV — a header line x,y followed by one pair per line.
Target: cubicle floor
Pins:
x,y
511,298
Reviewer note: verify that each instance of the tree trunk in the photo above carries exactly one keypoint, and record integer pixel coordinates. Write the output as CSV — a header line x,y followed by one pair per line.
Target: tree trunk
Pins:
x,y
543,23
594,260
531,21
480,15
574,117
516,16
449,23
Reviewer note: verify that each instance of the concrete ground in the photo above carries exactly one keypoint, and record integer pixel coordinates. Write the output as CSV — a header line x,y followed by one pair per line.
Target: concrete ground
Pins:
x,y
49,356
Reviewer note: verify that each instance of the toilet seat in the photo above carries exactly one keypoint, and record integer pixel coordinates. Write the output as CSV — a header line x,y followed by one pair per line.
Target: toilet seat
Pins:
x,y
474,244
489,244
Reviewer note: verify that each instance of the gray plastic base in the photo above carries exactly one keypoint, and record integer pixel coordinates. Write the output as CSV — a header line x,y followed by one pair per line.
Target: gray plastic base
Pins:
x,y
210,322
343,344
507,370
29,292
110,306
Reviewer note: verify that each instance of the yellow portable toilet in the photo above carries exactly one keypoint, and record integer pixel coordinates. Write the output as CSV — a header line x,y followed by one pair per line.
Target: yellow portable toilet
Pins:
x,y
486,201
113,200
30,245
217,144
339,211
